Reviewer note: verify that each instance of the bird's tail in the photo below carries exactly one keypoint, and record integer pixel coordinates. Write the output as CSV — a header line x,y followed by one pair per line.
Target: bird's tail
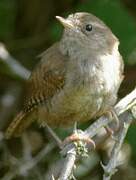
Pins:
x,y
18,125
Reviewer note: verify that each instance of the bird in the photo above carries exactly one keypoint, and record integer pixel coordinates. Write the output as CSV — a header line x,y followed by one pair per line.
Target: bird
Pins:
x,y
77,78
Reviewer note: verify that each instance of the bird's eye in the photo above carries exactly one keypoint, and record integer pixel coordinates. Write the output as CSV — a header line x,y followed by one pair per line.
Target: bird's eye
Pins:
x,y
88,27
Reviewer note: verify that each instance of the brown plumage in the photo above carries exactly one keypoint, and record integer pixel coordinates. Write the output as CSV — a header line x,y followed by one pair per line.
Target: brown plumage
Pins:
x,y
44,82
77,79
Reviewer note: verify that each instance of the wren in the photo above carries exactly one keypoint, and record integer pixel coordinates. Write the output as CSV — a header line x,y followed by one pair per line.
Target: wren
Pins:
x,y
77,78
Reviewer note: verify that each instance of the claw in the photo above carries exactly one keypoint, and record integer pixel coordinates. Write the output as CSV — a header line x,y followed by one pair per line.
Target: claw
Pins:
x,y
78,136
109,130
112,115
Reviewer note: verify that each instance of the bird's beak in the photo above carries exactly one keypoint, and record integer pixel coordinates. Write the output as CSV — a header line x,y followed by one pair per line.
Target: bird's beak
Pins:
x,y
65,22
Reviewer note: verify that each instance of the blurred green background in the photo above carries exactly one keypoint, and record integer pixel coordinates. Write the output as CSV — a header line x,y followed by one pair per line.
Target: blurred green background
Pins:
x,y
27,28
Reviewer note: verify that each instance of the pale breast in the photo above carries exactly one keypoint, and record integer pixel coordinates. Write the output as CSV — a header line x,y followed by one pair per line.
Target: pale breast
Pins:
x,y
70,106
89,90
112,73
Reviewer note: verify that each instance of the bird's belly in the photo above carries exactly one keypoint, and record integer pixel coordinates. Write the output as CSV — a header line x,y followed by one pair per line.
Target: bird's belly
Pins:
x,y
77,104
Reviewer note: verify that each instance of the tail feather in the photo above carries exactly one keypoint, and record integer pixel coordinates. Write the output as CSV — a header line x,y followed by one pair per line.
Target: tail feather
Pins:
x,y
18,125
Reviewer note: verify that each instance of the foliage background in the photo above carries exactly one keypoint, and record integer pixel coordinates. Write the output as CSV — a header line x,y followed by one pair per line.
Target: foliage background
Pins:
x,y
26,29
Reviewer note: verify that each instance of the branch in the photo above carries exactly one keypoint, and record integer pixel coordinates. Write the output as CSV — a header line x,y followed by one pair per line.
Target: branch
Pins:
x,y
8,103
127,103
14,68
25,165
110,168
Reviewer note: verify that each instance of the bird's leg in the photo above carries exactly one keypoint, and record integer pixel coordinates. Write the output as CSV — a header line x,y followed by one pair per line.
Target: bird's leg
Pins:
x,y
77,136
111,114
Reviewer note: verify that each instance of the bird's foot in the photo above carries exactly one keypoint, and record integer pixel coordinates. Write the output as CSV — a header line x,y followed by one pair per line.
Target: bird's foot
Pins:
x,y
81,142
109,130
111,114
78,136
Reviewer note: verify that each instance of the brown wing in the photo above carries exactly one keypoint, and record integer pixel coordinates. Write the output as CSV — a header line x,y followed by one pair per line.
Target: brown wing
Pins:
x,y
47,78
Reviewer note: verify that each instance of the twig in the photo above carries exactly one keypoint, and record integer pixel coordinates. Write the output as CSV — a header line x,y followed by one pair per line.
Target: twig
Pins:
x,y
125,104
14,67
54,136
27,155
68,165
30,164
8,103
25,166
110,168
